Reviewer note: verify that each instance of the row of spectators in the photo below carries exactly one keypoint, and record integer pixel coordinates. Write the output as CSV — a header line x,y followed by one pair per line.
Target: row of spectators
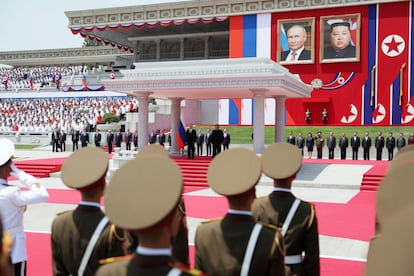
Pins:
x,y
46,114
31,77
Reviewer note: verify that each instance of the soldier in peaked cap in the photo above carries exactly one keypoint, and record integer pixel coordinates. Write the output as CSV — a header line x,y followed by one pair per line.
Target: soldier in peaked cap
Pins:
x,y
180,249
81,237
297,218
236,244
141,199
153,149
13,203
390,251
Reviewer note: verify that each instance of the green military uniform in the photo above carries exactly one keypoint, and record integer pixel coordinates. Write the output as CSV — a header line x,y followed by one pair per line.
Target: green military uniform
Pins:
x,y
74,231
236,244
71,232
390,251
297,218
144,265
138,199
221,246
302,235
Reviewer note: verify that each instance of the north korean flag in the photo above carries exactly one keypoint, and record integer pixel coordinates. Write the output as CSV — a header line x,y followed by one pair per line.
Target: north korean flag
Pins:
x,y
392,53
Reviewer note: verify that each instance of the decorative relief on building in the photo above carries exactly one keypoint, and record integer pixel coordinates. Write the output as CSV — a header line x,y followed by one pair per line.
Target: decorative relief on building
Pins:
x,y
156,85
190,9
54,53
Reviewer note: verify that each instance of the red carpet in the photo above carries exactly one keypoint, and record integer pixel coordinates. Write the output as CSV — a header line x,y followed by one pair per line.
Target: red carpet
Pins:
x,y
40,254
354,220
68,196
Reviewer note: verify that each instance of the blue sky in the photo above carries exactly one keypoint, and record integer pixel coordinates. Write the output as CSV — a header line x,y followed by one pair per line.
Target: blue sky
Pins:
x,y
42,24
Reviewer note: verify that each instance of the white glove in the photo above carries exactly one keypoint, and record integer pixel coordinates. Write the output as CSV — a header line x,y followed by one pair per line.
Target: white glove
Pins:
x,y
26,179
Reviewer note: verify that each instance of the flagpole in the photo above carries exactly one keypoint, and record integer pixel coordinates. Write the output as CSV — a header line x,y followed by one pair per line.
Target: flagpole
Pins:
x,y
372,84
401,82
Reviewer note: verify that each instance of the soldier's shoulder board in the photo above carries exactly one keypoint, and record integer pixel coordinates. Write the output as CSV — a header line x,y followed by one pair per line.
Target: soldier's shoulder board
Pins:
x,y
211,220
63,212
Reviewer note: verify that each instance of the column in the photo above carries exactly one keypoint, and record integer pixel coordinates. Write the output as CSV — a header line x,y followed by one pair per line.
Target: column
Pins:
x,y
158,53
258,120
136,52
142,118
175,121
206,53
280,118
181,48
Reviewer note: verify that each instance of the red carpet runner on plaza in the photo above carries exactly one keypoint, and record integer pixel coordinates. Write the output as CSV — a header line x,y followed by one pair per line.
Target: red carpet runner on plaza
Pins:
x,y
353,220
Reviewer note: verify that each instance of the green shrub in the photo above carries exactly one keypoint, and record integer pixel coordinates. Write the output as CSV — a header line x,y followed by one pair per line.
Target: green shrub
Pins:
x,y
110,118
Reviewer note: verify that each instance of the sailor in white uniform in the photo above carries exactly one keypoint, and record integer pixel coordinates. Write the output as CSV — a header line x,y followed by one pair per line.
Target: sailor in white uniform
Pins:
x,y
13,203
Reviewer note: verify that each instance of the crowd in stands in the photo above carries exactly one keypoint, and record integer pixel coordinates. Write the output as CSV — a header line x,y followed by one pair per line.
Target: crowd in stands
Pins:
x,y
26,77
46,114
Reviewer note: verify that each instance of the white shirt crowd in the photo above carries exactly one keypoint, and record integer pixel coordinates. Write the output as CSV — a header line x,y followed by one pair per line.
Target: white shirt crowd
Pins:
x,y
19,77
46,114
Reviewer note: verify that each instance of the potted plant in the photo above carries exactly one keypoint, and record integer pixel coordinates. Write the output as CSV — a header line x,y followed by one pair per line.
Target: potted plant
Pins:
x,y
109,122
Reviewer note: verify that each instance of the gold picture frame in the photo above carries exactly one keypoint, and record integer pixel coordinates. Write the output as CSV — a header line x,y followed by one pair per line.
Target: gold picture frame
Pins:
x,y
290,40
340,38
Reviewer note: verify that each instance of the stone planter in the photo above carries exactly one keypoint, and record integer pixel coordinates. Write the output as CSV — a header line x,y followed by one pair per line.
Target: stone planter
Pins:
x,y
108,127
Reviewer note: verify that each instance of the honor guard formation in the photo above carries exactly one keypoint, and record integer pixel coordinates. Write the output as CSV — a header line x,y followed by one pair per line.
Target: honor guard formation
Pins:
x,y
142,230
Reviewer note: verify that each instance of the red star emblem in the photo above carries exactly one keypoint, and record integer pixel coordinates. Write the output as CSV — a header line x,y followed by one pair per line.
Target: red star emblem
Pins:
x,y
393,45
377,113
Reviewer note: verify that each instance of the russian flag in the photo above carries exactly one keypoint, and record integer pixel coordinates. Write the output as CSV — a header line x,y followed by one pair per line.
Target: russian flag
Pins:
x,y
181,136
85,85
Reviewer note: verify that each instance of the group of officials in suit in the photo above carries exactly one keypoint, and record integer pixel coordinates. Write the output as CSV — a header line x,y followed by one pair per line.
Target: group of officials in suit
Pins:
x,y
380,142
143,230
213,140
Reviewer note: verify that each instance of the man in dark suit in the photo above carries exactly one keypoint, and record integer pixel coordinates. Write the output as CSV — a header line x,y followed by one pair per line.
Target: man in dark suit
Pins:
x,y
72,230
135,139
97,139
401,141
226,140
297,218
379,145
110,140
118,138
84,137
366,145
222,245
190,138
62,140
291,138
55,140
200,142
355,144
216,139
390,143
296,37
152,137
208,142
300,142
75,139
343,145
128,140
161,138
331,143
340,42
